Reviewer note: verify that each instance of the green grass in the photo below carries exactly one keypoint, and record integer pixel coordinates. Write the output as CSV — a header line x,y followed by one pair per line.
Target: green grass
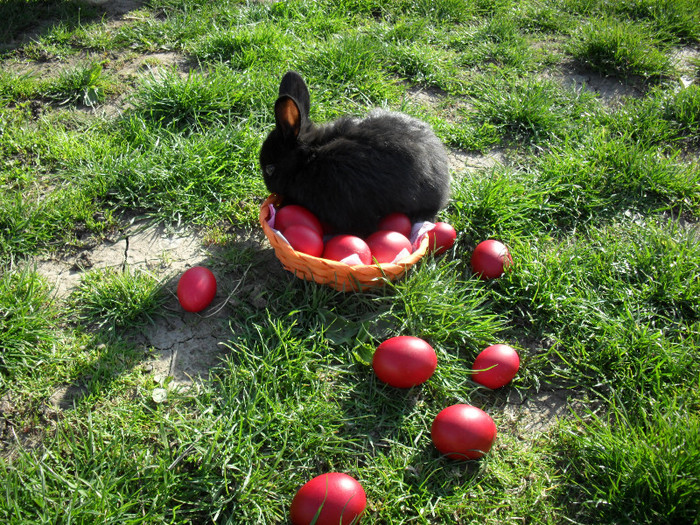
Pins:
x,y
497,41
597,202
665,116
197,100
181,178
84,84
19,16
27,320
528,109
248,48
116,298
40,206
620,48
671,20
675,20
646,461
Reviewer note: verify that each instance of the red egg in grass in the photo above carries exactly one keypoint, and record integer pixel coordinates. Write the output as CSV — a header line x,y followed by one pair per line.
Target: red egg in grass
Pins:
x,y
386,245
496,366
340,497
295,214
404,361
196,289
441,238
396,222
304,239
463,432
341,246
490,259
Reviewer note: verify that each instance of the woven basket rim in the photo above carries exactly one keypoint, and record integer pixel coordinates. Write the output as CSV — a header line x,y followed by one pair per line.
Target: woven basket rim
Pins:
x,y
335,273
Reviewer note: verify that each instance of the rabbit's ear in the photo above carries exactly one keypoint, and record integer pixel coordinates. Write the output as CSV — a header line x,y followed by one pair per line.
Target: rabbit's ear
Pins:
x,y
293,86
288,117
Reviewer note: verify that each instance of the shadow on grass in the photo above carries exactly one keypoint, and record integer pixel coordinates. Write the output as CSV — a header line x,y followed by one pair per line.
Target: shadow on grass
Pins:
x,y
23,21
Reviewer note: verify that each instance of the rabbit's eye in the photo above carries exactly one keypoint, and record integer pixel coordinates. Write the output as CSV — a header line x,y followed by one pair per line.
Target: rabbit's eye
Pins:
x,y
270,170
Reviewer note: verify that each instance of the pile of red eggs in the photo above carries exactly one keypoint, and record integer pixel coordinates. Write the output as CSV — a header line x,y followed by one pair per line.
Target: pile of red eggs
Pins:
x,y
390,243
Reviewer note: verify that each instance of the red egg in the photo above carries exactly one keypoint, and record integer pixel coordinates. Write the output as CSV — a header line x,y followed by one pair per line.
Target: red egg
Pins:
x,y
404,361
496,366
304,239
295,214
342,246
196,289
396,222
386,245
442,237
340,497
463,432
490,259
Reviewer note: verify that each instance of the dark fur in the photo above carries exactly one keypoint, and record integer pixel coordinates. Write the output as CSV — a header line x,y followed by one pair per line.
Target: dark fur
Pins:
x,y
352,172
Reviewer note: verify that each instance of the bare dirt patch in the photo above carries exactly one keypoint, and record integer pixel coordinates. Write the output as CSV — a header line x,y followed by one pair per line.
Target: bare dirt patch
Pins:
x,y
529,413
65,396
182,345
687,61
156,249
179,347
430,97
462,162
151,62
186,347
610,90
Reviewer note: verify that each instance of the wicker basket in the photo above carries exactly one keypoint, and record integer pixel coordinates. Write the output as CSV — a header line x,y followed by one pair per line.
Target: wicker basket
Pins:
x,y
340,276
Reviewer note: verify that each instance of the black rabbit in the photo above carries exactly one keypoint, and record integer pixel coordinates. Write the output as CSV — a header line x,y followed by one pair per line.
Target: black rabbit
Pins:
x,y
352,172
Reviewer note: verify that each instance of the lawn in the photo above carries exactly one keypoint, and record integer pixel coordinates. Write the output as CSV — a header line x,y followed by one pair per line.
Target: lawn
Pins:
x,y
574,135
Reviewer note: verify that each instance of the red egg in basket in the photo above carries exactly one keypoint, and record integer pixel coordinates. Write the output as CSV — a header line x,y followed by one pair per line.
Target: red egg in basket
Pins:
x,y
342,246
396,222
295,214
442,237
304,239
342,276
387,245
